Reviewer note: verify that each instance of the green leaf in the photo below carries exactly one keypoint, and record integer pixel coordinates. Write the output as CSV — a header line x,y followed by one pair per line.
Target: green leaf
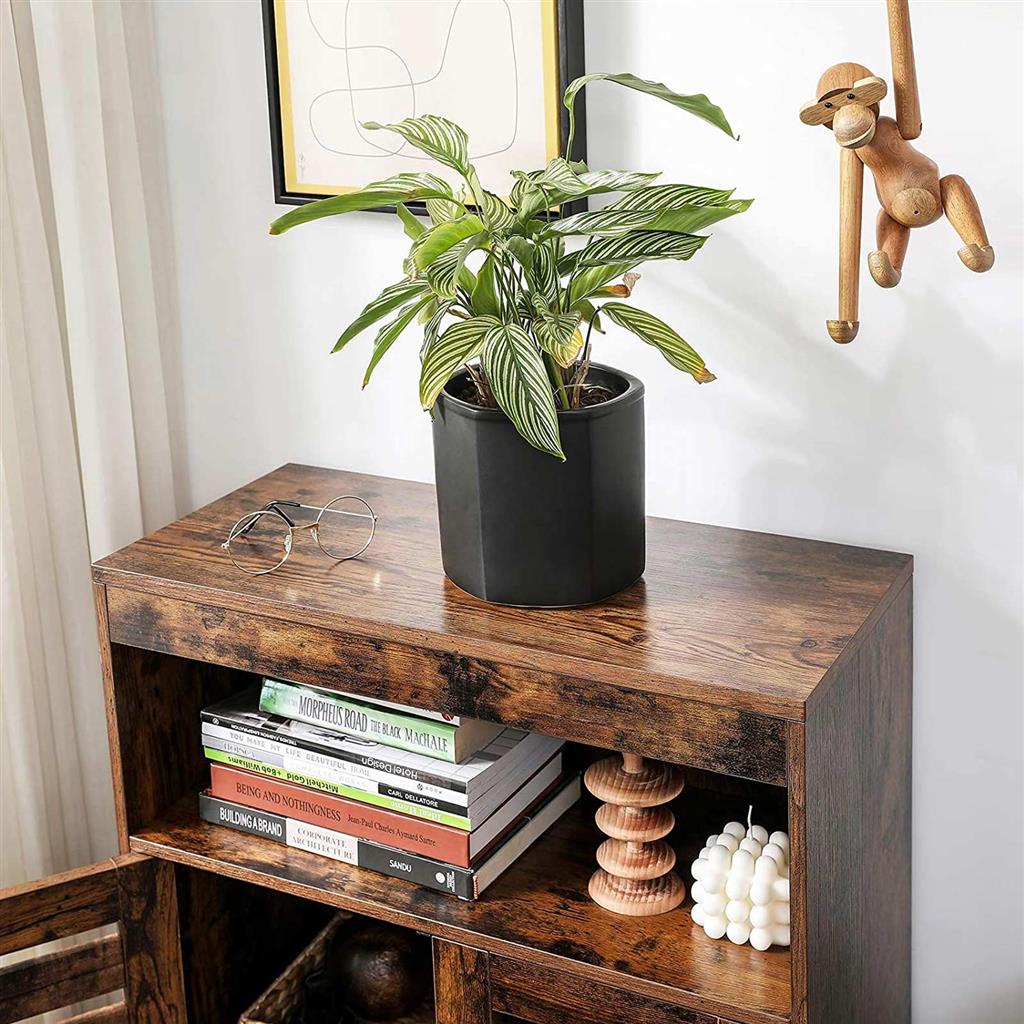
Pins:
x,y
523,250
442,237
671,197
640,246
557,333
698,104
444,271
391,298
590,314
591,281
433,326
657,333
498,216
443,210
519,380
390,333
545,274
401,188
485,296
460,343
616,221
414,227
436,136
559,183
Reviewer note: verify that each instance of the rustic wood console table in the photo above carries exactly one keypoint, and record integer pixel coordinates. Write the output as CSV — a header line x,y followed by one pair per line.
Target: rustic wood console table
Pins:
x,y
776,670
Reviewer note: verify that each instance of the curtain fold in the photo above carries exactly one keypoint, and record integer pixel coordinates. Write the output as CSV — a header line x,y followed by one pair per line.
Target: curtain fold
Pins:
x,y
89,454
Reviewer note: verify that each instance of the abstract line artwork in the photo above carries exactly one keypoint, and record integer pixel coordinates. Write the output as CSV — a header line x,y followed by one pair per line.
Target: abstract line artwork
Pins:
x,y
492,66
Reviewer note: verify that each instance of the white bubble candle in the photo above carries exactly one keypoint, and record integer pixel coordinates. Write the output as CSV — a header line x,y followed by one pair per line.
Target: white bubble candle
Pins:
x,y
741,886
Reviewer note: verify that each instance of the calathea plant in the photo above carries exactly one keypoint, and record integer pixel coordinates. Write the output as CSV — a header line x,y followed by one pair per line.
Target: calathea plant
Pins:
x,y
520,313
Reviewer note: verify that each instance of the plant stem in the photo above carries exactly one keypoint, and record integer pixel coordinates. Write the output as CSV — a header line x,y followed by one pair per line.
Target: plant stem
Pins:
x,y
555,372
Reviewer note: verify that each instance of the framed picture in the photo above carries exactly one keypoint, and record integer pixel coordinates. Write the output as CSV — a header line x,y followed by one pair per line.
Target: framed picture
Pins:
x,y
496,67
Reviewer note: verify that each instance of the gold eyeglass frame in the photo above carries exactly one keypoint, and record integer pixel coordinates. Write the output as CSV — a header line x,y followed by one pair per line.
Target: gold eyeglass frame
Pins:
x,y
276,508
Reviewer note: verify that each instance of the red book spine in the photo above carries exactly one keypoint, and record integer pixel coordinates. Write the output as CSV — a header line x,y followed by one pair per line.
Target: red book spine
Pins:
x,y
427,838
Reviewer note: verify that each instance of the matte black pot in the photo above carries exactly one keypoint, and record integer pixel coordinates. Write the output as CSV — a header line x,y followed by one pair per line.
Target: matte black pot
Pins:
x,y
520,527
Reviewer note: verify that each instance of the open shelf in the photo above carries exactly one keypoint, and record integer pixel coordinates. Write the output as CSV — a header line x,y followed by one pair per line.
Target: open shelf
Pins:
x,y
538,910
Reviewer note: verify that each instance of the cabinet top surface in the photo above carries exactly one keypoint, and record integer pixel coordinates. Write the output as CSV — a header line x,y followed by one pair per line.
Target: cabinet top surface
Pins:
x,y
730,617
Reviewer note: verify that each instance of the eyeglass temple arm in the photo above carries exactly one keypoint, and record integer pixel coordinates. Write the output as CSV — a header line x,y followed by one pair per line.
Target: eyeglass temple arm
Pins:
x,y
272,506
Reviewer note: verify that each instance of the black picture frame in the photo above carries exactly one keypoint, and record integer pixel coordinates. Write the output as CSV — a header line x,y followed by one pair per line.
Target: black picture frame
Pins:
x,y
571,61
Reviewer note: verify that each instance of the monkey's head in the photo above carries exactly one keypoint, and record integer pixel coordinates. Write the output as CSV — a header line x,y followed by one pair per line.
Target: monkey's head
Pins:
x,y
848,98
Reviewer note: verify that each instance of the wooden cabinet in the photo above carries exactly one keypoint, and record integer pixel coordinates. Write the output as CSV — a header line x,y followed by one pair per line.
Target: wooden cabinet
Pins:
x,y
776,670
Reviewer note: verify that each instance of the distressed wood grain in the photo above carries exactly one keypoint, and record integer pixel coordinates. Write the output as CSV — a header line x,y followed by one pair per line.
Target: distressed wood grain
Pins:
x,y
744,620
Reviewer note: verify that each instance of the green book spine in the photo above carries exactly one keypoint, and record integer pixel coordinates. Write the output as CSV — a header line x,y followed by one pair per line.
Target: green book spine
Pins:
x,y
363,797
367,721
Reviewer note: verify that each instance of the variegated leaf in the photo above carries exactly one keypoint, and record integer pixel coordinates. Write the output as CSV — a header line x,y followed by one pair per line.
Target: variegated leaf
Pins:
x,y
432,327
557,333
618,220
640,246
497,215
517,376
444,271
390,333
441,211
545,275
650,329
671,197
408,180
436,136
460,343
391,298
559,183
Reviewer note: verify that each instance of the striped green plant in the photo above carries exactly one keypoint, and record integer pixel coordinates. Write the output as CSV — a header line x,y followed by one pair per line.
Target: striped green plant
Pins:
x,y
511,291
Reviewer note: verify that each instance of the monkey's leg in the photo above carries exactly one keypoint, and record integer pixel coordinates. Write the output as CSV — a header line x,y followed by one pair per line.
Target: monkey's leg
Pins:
x,y
961,208
886,262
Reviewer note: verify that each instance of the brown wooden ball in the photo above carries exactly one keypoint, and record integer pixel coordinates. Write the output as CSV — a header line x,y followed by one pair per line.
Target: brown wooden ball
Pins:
x,y
383,970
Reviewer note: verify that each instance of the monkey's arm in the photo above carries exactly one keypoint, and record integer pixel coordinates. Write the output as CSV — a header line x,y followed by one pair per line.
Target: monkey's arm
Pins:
x,y
851,195
904,71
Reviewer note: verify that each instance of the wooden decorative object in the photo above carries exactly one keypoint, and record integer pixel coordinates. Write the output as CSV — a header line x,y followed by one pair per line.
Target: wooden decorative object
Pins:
x,y
635,877
908,184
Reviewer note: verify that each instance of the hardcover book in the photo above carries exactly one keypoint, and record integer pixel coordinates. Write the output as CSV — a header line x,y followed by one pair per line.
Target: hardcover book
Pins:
x,y
466,883
512,751
375,824
289,764
368,720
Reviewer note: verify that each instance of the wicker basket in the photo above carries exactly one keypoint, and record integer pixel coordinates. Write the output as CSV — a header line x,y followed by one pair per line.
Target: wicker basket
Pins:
x,y
277,1004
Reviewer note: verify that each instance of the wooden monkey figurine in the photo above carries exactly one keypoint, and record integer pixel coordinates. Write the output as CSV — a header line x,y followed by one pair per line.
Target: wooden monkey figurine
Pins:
x,y
908,184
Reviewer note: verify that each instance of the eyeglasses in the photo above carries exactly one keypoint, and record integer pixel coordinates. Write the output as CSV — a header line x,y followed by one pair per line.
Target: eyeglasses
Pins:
x,y
261,541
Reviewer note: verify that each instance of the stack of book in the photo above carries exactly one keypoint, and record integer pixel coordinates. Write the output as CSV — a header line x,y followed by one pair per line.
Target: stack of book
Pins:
x,y
446,802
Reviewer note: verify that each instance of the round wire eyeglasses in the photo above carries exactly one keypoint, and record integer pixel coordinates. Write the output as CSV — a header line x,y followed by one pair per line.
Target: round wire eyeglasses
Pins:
x,y
261,541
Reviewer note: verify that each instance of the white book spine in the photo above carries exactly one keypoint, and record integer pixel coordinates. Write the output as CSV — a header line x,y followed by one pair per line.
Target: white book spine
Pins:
x,y
346,773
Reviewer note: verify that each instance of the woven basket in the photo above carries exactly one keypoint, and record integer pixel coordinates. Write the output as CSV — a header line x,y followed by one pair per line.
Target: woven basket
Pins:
x,y
277,1003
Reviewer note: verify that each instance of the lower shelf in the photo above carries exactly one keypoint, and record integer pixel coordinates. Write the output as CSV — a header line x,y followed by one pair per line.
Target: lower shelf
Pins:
x,y
538,911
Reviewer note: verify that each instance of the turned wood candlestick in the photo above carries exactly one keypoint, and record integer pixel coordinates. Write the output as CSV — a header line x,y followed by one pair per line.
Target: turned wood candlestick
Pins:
x,y
635,877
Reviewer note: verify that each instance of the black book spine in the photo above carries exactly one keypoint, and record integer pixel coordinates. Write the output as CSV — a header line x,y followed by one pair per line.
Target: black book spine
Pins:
x,y
366,760
431,874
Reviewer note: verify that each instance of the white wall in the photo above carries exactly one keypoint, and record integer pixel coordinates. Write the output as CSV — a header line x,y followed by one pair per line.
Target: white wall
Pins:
x,y
910,438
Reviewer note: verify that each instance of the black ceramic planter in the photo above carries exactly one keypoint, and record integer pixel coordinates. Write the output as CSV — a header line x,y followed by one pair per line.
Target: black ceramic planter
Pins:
x,y
520,527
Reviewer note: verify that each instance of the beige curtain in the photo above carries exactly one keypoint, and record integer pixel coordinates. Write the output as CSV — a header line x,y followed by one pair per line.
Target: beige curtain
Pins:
x,y
89,460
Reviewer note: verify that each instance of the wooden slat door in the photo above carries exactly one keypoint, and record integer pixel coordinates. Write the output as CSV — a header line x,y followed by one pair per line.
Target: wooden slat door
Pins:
x,y
142,958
